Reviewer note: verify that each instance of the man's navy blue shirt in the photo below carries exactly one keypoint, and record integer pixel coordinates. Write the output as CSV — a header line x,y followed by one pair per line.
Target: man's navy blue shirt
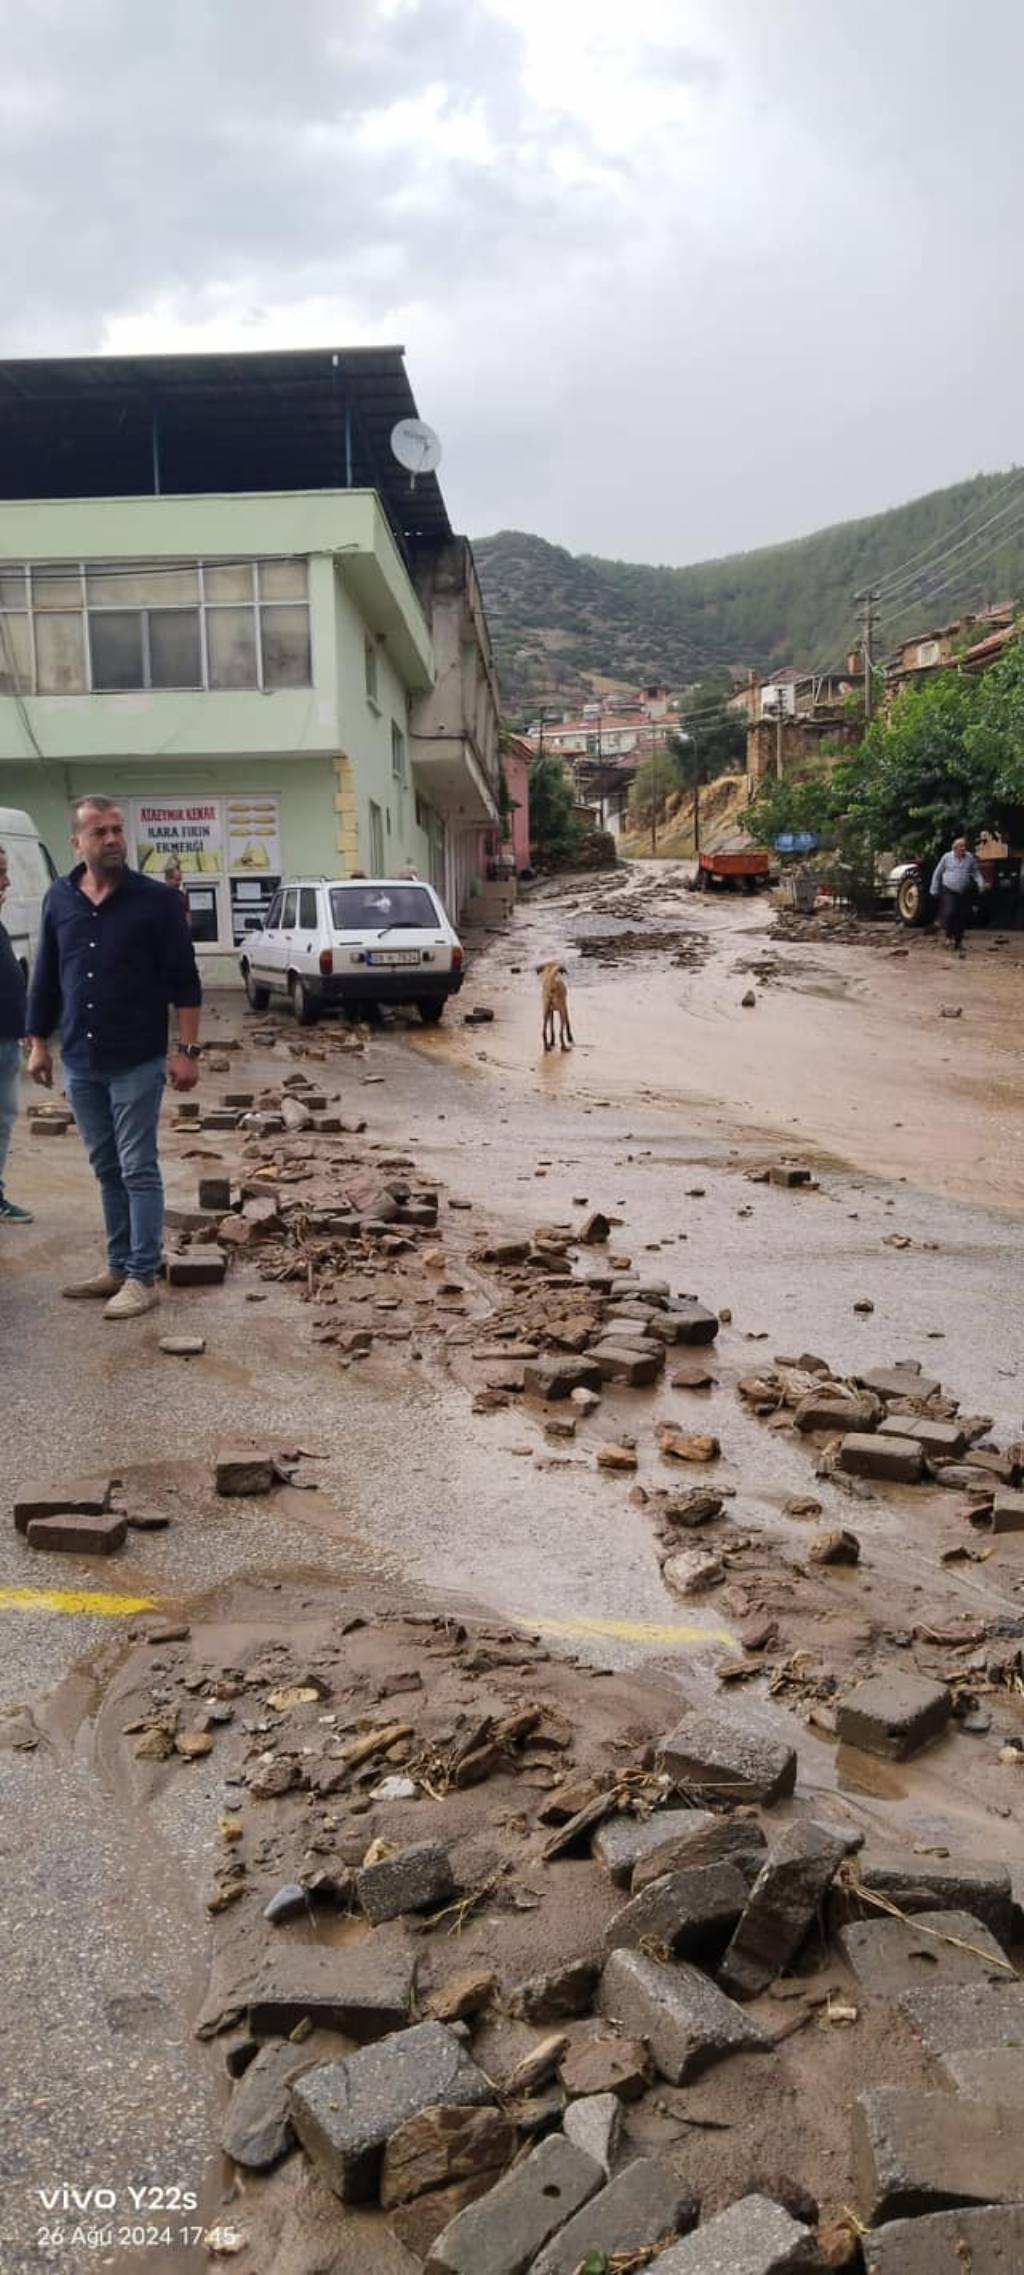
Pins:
x,y
107,974
12,993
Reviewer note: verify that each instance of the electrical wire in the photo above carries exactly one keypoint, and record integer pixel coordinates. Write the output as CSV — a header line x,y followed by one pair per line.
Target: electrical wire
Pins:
x,y
906,571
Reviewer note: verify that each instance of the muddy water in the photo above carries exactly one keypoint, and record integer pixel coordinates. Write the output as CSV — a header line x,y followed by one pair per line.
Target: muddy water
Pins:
x,y
847,1051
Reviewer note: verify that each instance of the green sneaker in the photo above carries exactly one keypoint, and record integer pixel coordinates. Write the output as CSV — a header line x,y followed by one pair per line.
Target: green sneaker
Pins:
x,y
11,1214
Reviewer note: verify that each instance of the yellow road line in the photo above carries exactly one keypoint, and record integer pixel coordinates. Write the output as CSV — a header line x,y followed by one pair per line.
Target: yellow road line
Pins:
x,y
629,1630
73,1600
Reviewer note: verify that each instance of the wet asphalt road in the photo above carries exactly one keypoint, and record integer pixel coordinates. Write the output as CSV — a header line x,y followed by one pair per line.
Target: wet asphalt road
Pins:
x,y
103,2078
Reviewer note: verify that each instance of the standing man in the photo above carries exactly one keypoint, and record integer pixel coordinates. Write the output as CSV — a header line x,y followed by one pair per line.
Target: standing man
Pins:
x,y
12,1029
956,877
114,953
173,878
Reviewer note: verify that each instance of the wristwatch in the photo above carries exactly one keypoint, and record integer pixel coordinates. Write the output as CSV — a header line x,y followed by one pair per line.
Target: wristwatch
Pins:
x,y
188,1050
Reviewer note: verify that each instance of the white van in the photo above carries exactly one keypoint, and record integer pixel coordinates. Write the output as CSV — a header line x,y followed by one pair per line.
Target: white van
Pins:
x,y
31,873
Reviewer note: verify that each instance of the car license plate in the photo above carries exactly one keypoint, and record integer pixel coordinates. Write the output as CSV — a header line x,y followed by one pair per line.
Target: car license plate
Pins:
x,y
393,956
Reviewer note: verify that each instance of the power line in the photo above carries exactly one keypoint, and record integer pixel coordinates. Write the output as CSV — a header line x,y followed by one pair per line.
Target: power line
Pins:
x,y
891,587
969,567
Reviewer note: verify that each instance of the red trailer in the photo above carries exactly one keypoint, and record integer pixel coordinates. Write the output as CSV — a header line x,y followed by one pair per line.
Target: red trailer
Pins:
x,y
739,868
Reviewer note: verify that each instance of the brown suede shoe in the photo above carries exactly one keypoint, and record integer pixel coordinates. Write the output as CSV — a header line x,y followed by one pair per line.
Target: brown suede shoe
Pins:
x,y
103,1285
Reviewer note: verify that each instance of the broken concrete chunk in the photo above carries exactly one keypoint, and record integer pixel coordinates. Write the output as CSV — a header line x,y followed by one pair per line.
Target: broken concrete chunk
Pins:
x,y
782,1907
551,1998
345,2112
629,1364
441,2145
503,2233
365,1991
786,1174
754,2237
915,2153
197,1267
727,1759
594,2125
558,1378
899,1460
623,1842
820,1411
77,1536
931,1883
837,1546
688,2022
241,1470
949,2021
988,2073
594,1230
690,1914
412,1881
257,2130
895,1955
467,1995
722,1840
688,1571
686,1445
694,1324
934,1437
637,2209
974,2241
899,1382
893,1715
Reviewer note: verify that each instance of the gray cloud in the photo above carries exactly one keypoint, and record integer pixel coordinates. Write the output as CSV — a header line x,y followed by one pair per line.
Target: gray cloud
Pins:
x,y
667,288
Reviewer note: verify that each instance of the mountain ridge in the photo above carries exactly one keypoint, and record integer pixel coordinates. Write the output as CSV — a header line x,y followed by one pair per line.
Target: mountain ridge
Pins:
x,y
560,620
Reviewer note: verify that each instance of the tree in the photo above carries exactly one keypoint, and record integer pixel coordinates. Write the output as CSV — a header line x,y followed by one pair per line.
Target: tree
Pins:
x,y
716,738
554,830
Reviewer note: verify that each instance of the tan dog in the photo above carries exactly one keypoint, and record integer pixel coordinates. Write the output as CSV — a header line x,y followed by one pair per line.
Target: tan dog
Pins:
x,y
555,1000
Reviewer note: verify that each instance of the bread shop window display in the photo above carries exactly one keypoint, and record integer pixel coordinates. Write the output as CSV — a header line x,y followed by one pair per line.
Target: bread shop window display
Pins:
x,y
228,850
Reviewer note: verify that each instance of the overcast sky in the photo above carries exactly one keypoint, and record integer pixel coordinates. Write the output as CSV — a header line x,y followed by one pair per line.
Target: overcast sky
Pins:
x,y
674,277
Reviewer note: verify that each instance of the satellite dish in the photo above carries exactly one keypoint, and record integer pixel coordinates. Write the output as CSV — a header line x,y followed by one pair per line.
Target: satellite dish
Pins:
x,y
416,447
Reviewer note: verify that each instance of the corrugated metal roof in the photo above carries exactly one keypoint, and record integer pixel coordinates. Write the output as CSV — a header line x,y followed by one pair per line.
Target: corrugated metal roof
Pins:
x,y
289,419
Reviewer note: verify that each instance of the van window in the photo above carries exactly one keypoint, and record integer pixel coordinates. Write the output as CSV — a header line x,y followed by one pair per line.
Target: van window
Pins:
x,y
382,908
288,914
31,869
307,909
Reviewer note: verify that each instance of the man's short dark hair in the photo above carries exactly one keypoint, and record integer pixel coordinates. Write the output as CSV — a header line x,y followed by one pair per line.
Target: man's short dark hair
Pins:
x,y
97,805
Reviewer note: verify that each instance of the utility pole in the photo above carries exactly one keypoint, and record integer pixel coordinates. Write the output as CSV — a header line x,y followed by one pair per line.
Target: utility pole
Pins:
x,y
779,720
868,601
654,795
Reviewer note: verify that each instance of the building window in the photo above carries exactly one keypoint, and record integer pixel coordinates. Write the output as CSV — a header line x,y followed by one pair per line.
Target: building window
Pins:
x,y
397,753
370,662
422,814
67,627
376,840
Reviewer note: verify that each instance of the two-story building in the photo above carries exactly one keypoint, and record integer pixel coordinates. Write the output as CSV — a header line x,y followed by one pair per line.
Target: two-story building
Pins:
x,y
224,602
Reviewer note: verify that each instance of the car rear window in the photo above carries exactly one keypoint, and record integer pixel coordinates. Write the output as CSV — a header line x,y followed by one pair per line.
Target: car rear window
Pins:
x,y
374,908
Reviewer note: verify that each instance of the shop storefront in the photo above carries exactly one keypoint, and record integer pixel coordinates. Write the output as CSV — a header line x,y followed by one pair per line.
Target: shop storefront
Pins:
x,y
229,850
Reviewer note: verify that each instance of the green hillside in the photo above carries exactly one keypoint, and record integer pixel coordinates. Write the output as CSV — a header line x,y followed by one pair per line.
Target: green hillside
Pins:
x,y
558,618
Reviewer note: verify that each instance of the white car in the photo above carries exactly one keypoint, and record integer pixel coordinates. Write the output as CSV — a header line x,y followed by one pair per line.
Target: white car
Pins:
x,y
355,942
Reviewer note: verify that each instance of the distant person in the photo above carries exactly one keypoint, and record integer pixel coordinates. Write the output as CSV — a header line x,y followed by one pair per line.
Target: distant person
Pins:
x,y
12,1030
957,878
173,877
114,953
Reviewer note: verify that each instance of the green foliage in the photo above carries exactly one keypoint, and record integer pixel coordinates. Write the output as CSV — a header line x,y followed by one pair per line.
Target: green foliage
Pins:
x,y
554,831
711,739
556,616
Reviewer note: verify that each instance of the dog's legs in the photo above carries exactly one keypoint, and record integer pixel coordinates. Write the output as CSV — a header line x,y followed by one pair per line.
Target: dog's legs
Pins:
x,y
567,1034
548,1031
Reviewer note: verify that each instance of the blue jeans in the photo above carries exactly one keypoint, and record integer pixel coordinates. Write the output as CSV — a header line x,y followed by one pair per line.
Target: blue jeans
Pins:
x,y
117,1115
10,1069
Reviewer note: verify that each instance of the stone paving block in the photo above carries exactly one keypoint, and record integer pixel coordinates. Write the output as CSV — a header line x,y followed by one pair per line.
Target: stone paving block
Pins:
x,y
927,2152
558,1378
694,1323
412,1881
967,2015
687,2021
818,1411
784,1902
631,1364
754,2237
257,2130
935,1437
48,1126
786,1174
988,2073
899,1382
80,1497
76,1535
197,1267
595,2067
932,1883
243,1470
898,1460
594,2124
503,2233
638,2208
690,1913
345,2112
366,1991
893,1715
968,2242
710,1840
896,1955
215,1193
726,1758
551,1998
